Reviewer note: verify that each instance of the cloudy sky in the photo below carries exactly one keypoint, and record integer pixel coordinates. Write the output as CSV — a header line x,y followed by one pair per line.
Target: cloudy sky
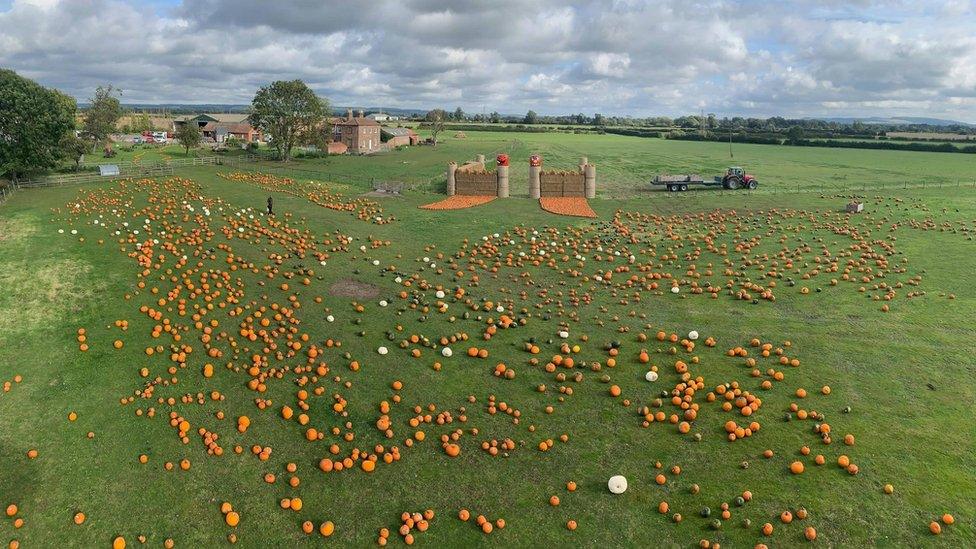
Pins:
x,y
745,57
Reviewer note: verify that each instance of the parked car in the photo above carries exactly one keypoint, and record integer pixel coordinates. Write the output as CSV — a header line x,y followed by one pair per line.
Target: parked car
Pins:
x,y
137,139
159,137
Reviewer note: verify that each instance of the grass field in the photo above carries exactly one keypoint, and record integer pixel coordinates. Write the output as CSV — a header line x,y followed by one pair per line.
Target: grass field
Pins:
x,y
906,374
626,164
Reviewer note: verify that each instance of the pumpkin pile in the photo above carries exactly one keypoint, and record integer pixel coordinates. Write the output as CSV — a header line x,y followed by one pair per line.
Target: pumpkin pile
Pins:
x,y
458,202
573,206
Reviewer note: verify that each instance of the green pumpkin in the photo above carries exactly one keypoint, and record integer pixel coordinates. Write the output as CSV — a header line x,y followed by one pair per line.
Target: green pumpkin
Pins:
x,y
706,512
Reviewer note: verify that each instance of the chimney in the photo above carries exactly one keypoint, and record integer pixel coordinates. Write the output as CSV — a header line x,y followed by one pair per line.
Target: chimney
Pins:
x,y
361,113
349,114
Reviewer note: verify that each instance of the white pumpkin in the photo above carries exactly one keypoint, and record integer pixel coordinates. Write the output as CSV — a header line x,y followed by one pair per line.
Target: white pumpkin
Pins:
x,y
564,334
651,375
675,289
382,350
693,335
440,294
330,318
446,352
617,484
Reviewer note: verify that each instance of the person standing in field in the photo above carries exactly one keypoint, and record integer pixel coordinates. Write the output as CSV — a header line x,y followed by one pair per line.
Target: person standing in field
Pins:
x,y
270,206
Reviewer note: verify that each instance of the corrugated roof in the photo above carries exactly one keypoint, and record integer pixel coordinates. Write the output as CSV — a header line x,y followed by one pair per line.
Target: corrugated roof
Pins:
x,y
236,118
397,132
230,118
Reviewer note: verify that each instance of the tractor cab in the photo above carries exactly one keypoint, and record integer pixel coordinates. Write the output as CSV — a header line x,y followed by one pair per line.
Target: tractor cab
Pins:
x,y
736,171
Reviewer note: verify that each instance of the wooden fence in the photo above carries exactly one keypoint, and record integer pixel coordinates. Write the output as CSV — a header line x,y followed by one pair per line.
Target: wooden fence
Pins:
x,y
161,168
58,180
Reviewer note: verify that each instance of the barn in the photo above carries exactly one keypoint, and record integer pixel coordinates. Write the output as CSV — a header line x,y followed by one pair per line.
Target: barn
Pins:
x,y
398,137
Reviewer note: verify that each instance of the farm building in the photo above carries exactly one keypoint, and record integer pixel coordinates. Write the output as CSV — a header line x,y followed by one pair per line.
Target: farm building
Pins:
x,y
220,127
360,134
398,137
382,117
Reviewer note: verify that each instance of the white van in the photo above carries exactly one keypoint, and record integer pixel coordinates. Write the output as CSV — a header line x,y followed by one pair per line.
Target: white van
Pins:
x,y
159,137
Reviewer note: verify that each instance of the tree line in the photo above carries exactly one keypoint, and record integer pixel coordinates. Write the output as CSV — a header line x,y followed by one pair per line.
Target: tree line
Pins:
x,y
711,123
38,130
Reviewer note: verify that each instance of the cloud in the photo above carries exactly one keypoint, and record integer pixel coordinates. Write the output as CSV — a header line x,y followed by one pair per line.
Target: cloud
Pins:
x,y
800,58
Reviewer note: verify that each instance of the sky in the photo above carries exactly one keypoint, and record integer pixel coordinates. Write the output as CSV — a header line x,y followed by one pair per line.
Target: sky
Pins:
x,y
792,58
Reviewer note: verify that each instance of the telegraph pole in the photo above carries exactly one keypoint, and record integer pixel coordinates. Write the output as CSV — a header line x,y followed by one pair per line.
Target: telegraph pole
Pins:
x,y
730,141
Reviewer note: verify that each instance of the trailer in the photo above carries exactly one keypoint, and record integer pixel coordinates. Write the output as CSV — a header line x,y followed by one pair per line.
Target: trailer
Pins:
x,y
735,178
679,182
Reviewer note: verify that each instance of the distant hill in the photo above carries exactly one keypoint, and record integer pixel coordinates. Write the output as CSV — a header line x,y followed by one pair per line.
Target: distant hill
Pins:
x,y
896,120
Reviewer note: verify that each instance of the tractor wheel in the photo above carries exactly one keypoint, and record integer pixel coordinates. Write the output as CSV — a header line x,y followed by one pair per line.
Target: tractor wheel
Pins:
x,y
684,187
733,183
753,184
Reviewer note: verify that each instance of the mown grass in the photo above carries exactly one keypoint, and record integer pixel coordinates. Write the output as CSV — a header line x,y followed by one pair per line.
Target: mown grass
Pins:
x,y
915,437
625,165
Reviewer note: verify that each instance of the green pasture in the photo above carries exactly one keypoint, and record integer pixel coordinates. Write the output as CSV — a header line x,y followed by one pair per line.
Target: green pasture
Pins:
x,y
907,375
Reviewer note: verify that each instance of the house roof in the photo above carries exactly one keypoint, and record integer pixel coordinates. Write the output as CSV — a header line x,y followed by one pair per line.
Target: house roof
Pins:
x,y
397,132
357,122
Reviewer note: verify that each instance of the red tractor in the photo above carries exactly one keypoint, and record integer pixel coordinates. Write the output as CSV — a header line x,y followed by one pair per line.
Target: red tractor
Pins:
x,y
735,178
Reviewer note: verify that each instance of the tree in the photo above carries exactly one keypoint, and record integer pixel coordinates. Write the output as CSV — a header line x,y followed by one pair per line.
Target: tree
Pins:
x,y
188,136
494,117
458,114
794,134
435,119
33,119
598,120
530,118
143,123
290,113
73,148
103,114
